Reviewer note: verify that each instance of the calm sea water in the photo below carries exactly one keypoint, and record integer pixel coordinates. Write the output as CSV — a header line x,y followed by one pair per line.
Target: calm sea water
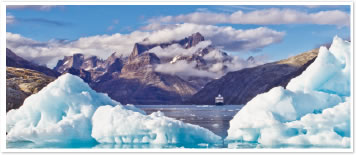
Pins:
x,y
214,118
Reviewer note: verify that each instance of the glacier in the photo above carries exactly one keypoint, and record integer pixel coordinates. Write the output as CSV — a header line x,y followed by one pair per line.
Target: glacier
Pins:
x,y
68,112
313,109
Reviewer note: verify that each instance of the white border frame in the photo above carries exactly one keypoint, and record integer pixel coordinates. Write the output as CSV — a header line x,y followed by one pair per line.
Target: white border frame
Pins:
x,y
161,2
180,1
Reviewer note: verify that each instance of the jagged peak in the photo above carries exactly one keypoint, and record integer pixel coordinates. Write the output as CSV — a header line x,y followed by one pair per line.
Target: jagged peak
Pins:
x,y
198,36
113,54
78,55
186,42
251,59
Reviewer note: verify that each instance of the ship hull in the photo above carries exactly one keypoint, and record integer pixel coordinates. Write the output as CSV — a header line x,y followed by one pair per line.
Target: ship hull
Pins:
x,y
219,104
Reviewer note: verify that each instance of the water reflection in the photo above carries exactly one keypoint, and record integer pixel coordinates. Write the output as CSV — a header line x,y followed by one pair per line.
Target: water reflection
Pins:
x,y
214,118
31,145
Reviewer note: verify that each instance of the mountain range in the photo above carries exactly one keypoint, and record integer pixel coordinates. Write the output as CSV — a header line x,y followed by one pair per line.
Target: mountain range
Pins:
x,y
136,80
13,60
21,83
241,86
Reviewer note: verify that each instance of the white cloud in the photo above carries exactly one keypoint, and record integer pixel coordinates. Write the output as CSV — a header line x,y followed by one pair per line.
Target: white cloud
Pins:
x,y
176,49
10,19
271,16
48,53
216,65
183,69
215,69
227,38
238,63
156,26
34,7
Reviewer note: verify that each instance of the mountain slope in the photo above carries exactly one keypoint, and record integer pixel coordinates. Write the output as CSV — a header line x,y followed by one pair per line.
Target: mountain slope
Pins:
x,y
139,84
155,73
12,60
134,80
21,83
240,86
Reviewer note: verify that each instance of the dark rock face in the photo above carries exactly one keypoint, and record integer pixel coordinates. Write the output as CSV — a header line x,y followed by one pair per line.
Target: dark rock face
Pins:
x,y
21,83
68,62
139,84
191,41
12,60
90,69
140,62
241,86
90,63
85,75
153,88
251,59
140,48
134,81
113,64
186,43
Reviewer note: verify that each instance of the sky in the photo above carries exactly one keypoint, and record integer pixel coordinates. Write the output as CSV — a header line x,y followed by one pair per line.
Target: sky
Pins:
x,y
44,34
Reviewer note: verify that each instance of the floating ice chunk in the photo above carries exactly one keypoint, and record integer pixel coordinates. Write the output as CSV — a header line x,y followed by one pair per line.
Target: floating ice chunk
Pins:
x,y
215,125
298,115
330,72
68,112
275,107
60,112
118,125
330,128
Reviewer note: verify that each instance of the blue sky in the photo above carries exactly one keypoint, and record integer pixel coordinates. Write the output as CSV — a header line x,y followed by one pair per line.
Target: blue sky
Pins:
x,y
70,23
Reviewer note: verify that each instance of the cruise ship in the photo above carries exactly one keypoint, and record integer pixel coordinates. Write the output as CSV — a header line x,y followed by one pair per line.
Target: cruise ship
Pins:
x,y
219,100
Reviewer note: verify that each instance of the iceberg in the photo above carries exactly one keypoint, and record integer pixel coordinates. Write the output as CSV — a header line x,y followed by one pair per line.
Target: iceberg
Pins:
x,y
67,112
60,112
313,110
121,126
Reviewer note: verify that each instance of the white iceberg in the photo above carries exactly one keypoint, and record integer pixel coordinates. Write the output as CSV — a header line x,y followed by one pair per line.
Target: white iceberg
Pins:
x,y
309,112
68,112
121,126
60,112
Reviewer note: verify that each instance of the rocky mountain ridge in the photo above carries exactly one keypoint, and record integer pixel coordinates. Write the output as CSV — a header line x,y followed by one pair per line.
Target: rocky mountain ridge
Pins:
x,y
186,43
90,69
241,86
21,83
134,80
13,60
